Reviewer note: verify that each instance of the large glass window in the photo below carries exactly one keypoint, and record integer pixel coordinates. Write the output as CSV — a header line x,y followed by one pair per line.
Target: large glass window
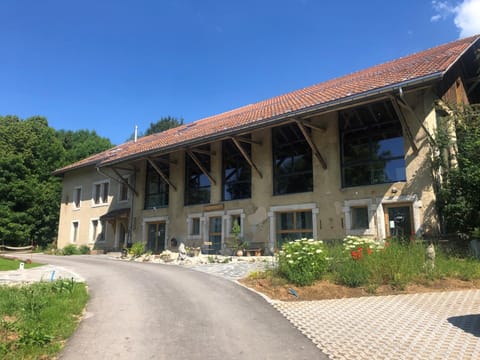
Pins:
x,y
197,184
237,173
156,189
372,148
292,161
293,225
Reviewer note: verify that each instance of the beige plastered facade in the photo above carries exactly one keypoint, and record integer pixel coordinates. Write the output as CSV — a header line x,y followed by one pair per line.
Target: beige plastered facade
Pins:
x,y
329,203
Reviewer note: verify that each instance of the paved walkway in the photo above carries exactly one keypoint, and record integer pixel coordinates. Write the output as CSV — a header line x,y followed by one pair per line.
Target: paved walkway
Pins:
x,y
442,325
233,270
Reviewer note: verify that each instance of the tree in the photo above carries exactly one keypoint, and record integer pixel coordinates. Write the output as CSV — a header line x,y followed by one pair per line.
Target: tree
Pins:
x,y
81,144
29,194
458,159
165,123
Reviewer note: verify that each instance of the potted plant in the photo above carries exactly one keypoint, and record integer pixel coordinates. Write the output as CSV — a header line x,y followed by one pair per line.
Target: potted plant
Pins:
x,y
236,244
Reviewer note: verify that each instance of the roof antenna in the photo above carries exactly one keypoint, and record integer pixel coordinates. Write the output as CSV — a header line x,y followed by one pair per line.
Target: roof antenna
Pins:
x,y
135,137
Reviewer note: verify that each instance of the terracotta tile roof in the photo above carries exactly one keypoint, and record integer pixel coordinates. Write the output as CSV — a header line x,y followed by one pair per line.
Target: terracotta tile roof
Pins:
x,y
421,67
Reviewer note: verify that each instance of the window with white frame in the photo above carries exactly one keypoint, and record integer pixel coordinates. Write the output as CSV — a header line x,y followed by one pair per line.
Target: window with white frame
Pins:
x,y
291,222
97,230
77,197
232,217
75,230
194,225
100,193
123,192
359,217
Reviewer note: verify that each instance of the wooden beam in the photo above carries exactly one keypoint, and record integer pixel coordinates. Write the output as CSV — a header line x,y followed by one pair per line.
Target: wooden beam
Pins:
x,y
123,181
163,160
200,166
311,126
162,175
248,141
245,155
311,143
405,126
404,104
123,169
205,152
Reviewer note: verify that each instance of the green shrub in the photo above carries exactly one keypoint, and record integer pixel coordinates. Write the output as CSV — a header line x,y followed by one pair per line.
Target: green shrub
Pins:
x,y
70,249
302,261
137,249
352,273
84,250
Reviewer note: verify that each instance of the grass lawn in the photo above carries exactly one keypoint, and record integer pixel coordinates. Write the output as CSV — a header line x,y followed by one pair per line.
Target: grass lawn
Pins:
x,y
36,319
14,264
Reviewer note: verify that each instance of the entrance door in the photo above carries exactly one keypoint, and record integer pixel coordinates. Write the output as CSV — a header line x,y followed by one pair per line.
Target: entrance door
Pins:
x,y
398,221
156,237
214,235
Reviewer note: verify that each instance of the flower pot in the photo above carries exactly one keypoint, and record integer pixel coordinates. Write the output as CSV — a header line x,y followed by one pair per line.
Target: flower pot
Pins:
x,y
239,252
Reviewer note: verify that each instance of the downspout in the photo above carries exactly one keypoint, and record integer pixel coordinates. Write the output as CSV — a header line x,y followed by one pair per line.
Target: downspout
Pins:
x,y
131,219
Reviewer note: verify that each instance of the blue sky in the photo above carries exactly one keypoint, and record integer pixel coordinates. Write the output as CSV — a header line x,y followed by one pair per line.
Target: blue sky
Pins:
x,y
109,65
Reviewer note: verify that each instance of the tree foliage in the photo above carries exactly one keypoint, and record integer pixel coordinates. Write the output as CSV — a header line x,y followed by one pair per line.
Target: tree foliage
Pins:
x,y
459,163
29,194
81,144
164,123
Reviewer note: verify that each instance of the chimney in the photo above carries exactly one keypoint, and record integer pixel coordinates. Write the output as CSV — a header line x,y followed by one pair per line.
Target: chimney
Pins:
x,y
135,137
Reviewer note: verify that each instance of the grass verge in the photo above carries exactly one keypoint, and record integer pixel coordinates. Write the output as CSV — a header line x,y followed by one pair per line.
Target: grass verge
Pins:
x,y
13,264
36,319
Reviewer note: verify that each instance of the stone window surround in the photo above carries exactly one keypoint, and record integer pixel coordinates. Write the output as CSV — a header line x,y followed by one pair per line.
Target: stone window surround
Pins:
x,y
74,235
371,208
155,219
190,218
100,229
290,208
101,203
226,216
375,211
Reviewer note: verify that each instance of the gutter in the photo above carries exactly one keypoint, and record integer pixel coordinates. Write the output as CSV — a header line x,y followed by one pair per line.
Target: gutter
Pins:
x,y
275,119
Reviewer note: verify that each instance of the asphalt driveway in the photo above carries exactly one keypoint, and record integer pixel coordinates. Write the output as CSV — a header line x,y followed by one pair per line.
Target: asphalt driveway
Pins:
x,y
152,311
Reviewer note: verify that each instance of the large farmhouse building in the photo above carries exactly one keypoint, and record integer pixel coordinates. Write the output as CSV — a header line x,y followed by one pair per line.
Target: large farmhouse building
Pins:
x,y
348,156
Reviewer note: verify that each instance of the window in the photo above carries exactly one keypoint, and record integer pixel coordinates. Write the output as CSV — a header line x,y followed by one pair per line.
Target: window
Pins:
x,y
156,189
77,197
237,173
359,218
293,225
372,149
123,191
292,161
195,226
75,228
235,219
197,184
100,193
97,231
232,217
